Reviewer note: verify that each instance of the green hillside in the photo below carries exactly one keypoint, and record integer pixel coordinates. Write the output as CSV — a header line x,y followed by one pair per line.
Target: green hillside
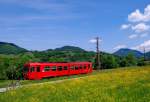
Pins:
x,y
70,48
126,51
9,48
117,85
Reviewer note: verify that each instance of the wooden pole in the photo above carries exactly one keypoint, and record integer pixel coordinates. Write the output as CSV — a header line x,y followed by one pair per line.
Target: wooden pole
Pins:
x,y
144,54
98,54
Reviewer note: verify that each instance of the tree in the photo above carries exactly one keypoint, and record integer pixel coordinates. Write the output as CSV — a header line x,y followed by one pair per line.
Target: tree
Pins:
x,y
131,60
108,61
56,59
141,61
128,60
123,62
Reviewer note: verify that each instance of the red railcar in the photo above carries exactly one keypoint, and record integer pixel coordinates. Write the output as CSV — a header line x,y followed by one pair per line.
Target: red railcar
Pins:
x,y
36,71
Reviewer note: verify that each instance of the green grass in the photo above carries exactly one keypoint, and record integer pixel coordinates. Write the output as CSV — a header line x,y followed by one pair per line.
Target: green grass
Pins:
x,y
5,83
117,85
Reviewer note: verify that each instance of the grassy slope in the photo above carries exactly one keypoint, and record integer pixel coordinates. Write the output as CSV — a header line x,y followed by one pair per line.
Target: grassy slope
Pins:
x,y
119,85
5,83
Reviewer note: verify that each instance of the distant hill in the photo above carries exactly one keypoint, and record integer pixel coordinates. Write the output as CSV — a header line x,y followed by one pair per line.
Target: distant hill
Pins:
x,y
69,48
148,55
10,48
125,52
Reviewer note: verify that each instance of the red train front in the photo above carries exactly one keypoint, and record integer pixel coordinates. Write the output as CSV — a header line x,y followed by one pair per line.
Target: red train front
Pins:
x,y
36,71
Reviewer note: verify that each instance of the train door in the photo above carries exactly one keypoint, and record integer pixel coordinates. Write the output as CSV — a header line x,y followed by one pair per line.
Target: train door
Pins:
x,y
81,68
46,71
84,68
38,72
59,70
32,72
65,69
53,71
77,70
72,69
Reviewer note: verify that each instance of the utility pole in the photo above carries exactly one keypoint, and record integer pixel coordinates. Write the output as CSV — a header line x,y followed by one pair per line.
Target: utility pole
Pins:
x,y
144,54
98,64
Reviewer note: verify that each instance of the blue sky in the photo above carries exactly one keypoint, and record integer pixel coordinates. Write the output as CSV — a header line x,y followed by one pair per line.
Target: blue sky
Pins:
x,y
45,24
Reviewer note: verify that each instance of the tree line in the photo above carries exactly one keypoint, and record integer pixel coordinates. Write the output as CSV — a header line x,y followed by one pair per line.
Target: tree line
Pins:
x,y
11,65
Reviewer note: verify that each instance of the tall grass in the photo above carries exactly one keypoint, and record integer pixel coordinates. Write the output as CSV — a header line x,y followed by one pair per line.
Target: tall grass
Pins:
x,y
119,85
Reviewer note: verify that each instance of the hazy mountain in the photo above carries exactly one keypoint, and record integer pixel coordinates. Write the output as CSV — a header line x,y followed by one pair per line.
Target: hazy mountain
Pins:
x,y
148,55
125,52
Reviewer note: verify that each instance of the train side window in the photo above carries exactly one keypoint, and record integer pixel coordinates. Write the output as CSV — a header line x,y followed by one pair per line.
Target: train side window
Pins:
x,y
76,67
53,68
84,66
89,66
59,68
46,68
65,68
38,68
72,67
80,67
32,69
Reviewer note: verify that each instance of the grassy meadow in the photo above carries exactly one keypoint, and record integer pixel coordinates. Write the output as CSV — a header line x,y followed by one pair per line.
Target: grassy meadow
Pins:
x,y
117,85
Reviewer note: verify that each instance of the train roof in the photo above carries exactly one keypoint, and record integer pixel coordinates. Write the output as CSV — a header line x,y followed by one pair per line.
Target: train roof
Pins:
x,y
46,63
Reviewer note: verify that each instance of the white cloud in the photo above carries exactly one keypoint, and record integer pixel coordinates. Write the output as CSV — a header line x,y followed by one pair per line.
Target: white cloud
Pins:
x,y
133,36
135,16
141,27
92,41
125,26
138,16
144,35
145,45
119,47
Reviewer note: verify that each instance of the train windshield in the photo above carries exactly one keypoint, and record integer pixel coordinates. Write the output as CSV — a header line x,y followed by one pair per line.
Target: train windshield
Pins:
x,y
25,69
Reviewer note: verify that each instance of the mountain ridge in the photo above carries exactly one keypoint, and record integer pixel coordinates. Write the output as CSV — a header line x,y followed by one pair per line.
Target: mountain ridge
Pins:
x,y
126,51
69,48
10,48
